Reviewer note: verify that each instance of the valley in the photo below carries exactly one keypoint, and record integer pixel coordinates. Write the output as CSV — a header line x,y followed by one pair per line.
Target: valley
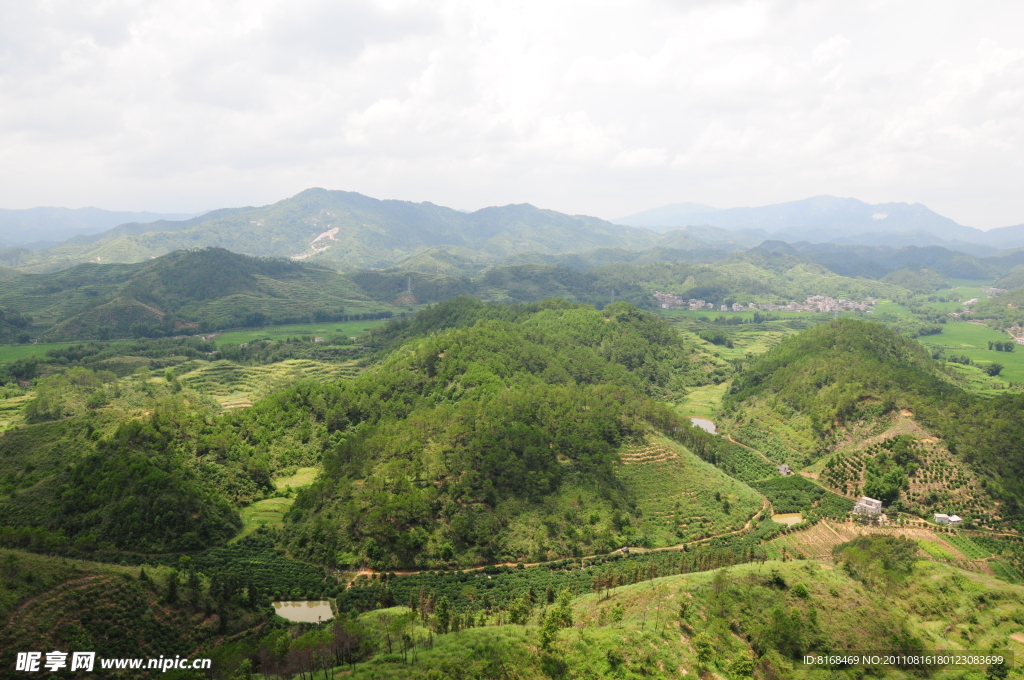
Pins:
x,y
493,469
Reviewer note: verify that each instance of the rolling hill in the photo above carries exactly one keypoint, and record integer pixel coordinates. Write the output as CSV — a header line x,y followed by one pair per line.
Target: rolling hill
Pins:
x,y
180,293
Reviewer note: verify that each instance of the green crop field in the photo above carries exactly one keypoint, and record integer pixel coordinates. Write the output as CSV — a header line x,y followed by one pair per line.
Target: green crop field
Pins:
x,y
271,511
968,547
703,402
15,352
971,339
1006,571
935,550
346,328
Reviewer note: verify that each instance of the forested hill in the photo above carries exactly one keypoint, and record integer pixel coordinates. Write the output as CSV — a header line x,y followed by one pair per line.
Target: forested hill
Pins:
x,y
464,443
825,381
183,292
477,421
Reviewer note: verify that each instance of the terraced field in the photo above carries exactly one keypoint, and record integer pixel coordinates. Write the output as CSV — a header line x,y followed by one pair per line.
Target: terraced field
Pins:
x,y
681,497
271,511
10,409
236,386
818,541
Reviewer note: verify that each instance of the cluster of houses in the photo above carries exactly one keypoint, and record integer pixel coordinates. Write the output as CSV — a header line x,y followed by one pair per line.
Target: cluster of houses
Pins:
x,y
814,303
870,508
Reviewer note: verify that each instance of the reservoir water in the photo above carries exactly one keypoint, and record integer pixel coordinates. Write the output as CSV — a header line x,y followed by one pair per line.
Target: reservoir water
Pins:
x,y
304,611
705,425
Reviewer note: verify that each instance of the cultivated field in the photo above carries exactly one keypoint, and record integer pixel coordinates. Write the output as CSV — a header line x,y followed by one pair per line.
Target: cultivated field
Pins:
x,y
683,498
237,386
971,339
347,328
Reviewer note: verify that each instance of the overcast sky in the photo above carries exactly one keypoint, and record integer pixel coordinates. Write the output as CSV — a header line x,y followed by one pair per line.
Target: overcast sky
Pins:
x,y
603,108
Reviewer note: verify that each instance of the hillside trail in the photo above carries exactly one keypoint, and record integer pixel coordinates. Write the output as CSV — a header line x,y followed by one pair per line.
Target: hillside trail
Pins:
x,y
367,572
746,527
766,458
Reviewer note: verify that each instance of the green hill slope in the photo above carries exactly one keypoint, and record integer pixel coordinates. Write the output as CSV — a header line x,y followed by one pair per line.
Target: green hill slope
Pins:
x,y
837,383
182,292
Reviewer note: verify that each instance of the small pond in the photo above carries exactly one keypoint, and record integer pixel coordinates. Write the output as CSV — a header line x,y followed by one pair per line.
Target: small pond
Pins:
x,y
789,518
304,611
705,425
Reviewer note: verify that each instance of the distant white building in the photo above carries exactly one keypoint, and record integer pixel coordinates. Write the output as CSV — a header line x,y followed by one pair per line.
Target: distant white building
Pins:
x,y
868,506
941,518
955,520
737,307
724,308
784,470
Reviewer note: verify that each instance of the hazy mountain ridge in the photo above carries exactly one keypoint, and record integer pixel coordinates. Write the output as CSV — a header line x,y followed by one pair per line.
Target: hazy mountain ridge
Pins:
x,y
45,224
351,231
833,219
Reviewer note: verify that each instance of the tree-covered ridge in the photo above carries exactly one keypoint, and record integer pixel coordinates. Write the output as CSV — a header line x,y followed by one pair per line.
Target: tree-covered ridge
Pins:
x,y
835,372
456,433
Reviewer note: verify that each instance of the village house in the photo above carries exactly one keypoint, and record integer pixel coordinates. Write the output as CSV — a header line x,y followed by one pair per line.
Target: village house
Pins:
x,y
784,470
867,506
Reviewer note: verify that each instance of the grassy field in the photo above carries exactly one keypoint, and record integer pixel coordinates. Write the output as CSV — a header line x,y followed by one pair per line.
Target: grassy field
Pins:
x,y
11,409
303,476
703,402
971,339
15,352
268,512
346,328
271,511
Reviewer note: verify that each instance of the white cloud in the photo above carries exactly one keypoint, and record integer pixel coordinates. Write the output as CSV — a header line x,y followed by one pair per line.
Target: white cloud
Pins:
x,y
185,105
830,50
640,158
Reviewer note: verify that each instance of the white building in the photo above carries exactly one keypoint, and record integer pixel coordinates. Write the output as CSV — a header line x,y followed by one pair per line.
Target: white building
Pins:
x,y
868,506
955,520
784,470
941,518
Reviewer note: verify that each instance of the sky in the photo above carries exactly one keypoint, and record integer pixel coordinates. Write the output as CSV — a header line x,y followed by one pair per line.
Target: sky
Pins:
x,y
601,108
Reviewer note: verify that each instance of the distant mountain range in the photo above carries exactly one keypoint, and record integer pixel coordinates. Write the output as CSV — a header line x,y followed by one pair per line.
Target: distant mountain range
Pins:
x,y
827,219
42,226
349,232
